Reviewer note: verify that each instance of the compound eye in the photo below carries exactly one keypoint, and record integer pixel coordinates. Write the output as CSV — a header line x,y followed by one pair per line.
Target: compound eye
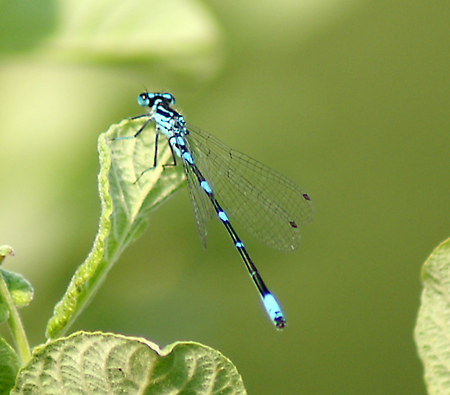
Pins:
x,y
169,98
143,99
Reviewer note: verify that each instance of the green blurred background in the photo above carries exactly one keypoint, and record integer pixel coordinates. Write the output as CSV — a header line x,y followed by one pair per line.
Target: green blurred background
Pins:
x,y
348,98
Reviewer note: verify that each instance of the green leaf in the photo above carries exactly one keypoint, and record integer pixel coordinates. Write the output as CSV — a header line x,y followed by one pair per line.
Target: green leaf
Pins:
x,y
183,34
102,363
20,289
139,30
9,366
432,331
126,205
14,291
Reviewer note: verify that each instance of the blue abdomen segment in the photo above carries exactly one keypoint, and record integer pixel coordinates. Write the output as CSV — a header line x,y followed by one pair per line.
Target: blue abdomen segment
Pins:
x,y
274,311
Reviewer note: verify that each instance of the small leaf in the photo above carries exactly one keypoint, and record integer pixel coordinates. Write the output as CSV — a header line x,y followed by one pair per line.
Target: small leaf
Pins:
x,y
9,366
101,363
126,205
20,289
432,331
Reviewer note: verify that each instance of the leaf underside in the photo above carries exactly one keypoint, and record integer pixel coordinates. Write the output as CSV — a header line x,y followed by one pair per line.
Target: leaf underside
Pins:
x,y
126,205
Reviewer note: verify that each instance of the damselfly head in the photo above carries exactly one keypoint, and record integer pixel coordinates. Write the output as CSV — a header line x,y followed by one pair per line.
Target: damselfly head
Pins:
x,y
148,99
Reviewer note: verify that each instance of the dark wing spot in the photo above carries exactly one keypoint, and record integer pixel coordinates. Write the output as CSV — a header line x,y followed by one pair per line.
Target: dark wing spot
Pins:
x,y
306,196
293,224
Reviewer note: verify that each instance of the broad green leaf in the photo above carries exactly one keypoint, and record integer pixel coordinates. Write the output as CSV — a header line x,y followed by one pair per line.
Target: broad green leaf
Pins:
x,y
102,363
138,30
432,331
126,205
9,366
180,33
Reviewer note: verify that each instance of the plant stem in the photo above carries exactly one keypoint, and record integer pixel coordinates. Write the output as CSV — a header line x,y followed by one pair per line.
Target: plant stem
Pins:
x,y
14,322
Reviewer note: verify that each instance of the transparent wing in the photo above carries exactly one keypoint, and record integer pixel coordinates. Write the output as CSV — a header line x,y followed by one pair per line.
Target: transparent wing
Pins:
x,y
203,209
269,205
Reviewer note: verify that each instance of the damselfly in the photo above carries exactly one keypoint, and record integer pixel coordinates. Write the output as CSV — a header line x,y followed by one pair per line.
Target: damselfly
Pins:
x,y
225,182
